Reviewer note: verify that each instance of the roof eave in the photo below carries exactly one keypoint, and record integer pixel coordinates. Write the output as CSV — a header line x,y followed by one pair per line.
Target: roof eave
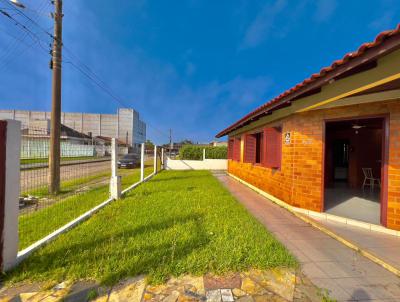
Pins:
x,y
383,44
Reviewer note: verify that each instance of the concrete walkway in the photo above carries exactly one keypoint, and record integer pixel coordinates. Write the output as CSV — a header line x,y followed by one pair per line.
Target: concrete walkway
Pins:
x,y
347,275
386,247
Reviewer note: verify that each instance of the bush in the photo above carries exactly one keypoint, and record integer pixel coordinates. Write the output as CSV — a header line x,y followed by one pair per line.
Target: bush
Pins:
x,y
217,152
192,152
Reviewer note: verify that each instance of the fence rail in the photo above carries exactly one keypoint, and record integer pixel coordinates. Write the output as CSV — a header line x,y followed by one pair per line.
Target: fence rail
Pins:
x,y
85,185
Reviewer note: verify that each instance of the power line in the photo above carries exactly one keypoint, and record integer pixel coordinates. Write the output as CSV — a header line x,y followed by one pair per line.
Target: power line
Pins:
x,y
98,83
89,73
97,80
9,54
29,46
17,23
110,93
29,18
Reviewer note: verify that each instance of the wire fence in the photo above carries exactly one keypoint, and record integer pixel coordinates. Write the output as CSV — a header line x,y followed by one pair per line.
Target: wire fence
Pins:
x,y
84,181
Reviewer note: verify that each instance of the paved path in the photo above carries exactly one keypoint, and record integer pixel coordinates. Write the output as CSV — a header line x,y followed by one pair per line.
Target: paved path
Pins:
x,y
327,263
384,246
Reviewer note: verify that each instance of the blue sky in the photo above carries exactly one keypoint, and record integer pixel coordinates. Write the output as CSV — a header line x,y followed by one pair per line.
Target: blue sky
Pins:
x,y
194,66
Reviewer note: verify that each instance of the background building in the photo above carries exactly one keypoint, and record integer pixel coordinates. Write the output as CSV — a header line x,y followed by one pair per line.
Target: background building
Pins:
x,y
125,125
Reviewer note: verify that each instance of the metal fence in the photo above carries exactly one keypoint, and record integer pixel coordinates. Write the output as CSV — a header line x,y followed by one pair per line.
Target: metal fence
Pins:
x,y
84,183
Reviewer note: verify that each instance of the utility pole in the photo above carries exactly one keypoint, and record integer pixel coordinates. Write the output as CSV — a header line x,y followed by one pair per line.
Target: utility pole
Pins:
x,y
170,142
55,127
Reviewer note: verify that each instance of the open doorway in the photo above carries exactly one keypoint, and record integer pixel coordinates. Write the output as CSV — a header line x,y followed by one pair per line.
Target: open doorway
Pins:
x,y
353,168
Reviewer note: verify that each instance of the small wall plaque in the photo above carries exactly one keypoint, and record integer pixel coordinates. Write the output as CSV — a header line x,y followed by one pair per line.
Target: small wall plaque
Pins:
x,y
287,138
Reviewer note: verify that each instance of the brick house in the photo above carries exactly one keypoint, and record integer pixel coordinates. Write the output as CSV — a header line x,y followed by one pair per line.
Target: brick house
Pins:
x,y
317,145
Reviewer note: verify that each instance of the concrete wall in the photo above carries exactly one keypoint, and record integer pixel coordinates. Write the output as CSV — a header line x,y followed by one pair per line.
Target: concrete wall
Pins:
x,y
207,164
126,120
126,124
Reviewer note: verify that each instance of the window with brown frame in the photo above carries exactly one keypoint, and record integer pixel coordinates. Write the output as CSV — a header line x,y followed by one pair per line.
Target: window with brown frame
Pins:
x,y
253,148
259,147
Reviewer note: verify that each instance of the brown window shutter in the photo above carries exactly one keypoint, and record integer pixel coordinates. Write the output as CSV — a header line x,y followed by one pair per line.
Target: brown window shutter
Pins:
x,y
230,148
236,149
272,147
250,149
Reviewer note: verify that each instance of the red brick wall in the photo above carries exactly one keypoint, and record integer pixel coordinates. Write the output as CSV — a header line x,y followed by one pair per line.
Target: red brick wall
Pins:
x,y
299,181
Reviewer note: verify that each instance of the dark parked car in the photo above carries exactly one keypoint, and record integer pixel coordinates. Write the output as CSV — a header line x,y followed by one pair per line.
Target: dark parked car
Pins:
x,y
129,161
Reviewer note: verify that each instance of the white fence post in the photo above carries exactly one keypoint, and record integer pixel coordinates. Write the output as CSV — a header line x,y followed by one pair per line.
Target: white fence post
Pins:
x,y
162,158
204,154
155,159
9,199
115,182
142,162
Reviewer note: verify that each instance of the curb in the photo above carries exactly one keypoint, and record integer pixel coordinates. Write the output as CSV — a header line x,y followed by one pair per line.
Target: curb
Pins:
x,y
348,243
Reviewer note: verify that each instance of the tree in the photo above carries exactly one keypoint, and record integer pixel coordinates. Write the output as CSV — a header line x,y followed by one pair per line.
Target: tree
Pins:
x,y
186,142
149,144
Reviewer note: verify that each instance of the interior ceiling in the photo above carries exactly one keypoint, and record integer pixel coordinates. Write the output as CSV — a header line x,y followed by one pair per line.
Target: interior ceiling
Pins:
x,y
371,123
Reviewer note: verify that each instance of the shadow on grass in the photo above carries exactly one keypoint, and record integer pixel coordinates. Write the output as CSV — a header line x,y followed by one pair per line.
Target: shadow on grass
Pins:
x,y
116,256
174,178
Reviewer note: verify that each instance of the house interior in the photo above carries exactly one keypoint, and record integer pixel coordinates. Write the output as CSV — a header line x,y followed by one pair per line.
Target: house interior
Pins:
x,y
353,160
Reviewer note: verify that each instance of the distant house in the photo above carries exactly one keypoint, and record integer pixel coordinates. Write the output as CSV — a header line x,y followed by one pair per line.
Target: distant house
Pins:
x,y
41,128
36,138
103,146
330,144
218,144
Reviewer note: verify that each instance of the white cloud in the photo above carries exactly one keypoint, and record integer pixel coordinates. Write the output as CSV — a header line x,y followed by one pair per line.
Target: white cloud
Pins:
x,y
155,88
325,10
263,24
389,11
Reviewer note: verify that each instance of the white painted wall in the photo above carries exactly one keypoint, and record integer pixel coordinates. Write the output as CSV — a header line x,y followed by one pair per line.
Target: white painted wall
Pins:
x,y
10,232
206,164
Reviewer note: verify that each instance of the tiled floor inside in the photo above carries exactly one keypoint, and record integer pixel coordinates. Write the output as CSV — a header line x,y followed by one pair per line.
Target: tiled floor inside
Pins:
x,y
358,204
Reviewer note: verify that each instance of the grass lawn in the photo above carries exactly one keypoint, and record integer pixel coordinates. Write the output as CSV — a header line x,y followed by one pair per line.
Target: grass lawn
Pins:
x,y
35,225
26,161
67,186
179,222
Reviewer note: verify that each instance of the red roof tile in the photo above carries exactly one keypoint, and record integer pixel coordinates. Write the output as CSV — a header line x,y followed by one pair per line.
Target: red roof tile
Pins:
x,y
383,36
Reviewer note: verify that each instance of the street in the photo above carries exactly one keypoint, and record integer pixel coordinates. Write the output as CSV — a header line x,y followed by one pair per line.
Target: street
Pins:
x,y
37,178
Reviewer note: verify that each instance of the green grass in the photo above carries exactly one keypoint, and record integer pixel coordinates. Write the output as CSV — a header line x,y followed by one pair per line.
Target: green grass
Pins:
x,y
26,161
35,225
179,222
67,186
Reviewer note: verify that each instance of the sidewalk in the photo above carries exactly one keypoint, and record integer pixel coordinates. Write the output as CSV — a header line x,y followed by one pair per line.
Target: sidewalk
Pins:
x,y
329,264
386,247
